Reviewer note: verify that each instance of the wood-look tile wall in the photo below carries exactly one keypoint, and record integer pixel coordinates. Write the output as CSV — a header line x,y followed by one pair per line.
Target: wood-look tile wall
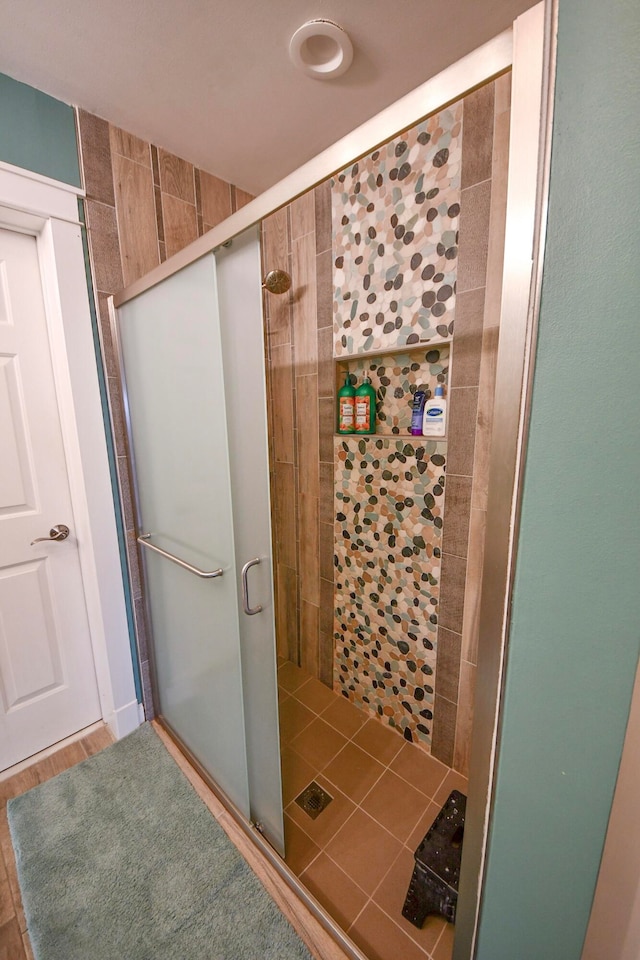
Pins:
x,y
300,374
479,287
302,413
143,205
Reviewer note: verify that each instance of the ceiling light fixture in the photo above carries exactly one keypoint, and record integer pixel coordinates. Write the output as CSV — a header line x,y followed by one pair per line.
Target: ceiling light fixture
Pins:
x,y
321,49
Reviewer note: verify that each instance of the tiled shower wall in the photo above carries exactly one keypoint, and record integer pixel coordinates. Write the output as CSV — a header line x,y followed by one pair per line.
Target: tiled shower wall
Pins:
x,y
454,272
418,255
395,234
417,669
142,205
395,217
472,387
301,389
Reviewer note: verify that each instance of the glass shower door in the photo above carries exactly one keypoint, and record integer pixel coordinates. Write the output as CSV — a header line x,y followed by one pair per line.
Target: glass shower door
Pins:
x,y
181,356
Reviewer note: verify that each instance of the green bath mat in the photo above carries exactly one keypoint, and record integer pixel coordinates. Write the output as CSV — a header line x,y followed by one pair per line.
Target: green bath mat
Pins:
x,y
119,859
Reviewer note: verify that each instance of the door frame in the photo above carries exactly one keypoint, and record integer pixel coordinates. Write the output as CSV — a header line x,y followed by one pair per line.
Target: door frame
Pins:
x,y
48,210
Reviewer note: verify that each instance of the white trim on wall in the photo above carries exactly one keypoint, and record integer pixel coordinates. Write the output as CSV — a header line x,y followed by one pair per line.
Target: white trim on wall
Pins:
x,y
58,185
49,211
31,193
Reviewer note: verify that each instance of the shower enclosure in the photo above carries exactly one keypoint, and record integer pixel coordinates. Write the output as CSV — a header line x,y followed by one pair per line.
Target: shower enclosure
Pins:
x,y
192,350
192,362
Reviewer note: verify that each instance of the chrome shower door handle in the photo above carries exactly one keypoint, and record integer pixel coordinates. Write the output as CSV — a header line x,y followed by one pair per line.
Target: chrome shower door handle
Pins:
x,y
250,611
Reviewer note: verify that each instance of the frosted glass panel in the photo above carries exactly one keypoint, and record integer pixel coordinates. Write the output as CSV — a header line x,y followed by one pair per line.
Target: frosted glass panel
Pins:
x,y
171,348
240,304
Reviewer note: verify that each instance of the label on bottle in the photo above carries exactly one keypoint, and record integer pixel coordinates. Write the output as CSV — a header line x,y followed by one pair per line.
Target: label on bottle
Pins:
x,y
433,423
347,409
363,409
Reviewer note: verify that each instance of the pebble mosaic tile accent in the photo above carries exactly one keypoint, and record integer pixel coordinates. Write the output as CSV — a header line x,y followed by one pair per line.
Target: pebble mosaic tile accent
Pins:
x,y
388,528
395,220
395,378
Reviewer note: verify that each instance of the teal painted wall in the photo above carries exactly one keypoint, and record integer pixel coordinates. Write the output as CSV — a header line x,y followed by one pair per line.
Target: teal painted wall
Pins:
x,y
575,629
37,132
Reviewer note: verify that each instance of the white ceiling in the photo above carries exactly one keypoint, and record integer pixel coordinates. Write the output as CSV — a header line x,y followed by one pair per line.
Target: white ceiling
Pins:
x,y
213,82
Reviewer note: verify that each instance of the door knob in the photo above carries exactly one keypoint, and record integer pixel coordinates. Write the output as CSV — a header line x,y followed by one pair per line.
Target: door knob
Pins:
x,y
59,532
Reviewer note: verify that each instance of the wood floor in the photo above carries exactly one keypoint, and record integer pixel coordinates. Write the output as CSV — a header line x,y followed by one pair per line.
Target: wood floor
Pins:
x,y
14,940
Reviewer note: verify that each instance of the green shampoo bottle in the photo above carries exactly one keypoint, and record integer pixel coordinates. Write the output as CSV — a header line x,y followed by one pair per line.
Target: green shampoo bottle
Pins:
x,y
365,408
346,406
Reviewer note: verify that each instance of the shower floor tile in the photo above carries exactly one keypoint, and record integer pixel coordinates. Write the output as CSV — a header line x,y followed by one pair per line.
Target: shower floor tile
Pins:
x,y
381,742
395,804
335,890
318,743
354,772
291,677
364,850
356,857
344,716
317,696
422,771
301,850
294,717
296,774
380,938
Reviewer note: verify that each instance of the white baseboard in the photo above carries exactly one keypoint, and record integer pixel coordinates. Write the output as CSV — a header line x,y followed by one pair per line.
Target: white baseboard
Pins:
x,y
49,751
125,720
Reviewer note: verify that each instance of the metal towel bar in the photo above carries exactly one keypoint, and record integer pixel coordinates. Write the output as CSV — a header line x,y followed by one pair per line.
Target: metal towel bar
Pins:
x,y
143,540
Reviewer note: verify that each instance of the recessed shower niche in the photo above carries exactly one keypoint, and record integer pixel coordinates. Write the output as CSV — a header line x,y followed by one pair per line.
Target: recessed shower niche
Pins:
x,y
395,377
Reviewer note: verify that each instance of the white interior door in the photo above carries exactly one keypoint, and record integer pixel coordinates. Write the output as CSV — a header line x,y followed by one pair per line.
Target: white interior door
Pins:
x,y
48,687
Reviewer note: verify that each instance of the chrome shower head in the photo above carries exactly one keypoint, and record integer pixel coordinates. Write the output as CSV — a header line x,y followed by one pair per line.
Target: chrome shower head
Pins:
x,y
276,281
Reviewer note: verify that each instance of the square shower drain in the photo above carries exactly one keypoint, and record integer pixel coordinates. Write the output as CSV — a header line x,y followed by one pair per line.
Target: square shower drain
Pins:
x,y
314,800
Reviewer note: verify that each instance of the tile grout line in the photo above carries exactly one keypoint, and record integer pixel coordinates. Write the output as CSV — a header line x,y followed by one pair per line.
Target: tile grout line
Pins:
x,y
302,236
371,897
123,156
387,914
351,738
372,902
358,804
458,556
386,767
